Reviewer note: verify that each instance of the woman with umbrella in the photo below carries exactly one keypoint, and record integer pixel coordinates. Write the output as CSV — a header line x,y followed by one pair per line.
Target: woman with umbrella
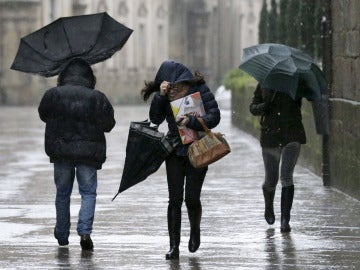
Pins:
x,y
172,81
285,75
282,134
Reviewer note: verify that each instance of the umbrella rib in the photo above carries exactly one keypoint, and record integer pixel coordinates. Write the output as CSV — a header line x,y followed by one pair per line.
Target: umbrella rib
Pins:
x,y
39,53
102,23
108,55
272,71
66,36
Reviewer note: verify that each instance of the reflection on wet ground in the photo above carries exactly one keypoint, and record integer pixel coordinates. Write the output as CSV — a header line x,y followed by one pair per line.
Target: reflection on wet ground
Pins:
x,y
131,232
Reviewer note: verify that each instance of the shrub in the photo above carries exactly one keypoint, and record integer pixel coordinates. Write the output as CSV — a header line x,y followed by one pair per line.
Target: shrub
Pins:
x,y
236,79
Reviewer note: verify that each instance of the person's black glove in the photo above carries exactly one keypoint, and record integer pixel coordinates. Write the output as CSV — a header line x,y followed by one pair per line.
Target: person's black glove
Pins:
x,y
267,107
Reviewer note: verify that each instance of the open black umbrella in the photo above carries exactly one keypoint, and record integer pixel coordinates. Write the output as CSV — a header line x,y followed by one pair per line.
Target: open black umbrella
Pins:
x,y
146,150
93,37
284,68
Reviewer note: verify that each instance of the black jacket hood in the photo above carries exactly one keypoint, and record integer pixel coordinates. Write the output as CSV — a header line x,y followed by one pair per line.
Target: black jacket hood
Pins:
x,y
77,72
173,72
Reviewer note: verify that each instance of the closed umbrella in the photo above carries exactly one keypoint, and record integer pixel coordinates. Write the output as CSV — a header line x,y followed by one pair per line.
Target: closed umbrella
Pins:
x,y
146,150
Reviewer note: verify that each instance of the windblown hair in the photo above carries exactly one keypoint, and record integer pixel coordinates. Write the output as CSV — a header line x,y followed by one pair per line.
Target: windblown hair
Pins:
x,y
198,79
151,87
77,72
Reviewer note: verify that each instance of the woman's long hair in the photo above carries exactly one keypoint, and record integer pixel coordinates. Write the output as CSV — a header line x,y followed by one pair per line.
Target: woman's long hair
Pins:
x,y
151,87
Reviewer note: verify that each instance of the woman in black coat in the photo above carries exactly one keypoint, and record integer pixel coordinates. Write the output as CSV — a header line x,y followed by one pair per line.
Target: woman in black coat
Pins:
x,y
76,117
173,80
282,134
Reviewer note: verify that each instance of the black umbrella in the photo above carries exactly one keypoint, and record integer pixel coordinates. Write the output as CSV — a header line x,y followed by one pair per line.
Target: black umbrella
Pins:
x,y
146,150
93,37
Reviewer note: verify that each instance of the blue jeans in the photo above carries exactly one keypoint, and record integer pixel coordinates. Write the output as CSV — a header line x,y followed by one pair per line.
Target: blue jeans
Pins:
x,y
64,175
288,155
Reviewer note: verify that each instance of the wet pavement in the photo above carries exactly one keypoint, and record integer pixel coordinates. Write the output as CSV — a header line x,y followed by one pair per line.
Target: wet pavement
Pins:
x,y
131,232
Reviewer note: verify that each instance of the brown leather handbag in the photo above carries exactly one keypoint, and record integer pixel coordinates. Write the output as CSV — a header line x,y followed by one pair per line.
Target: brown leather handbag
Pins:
x,y
208,149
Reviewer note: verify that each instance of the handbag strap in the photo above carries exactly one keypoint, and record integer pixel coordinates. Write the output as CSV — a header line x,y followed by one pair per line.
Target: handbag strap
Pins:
x,y
202,122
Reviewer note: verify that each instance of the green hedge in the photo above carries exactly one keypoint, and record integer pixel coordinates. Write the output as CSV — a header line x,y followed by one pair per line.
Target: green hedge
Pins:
x,y
237,79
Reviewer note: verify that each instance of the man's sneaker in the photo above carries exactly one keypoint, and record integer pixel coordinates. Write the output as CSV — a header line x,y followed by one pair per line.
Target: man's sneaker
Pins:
x,y
61,241
86,242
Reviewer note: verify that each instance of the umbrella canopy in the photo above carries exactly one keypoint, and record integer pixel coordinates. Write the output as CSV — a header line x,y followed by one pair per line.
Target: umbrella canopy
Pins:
x,y
283,68
146,150
93,37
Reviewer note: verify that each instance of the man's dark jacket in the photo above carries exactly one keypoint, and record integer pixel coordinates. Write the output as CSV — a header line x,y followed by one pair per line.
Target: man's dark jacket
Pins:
x,y
76,118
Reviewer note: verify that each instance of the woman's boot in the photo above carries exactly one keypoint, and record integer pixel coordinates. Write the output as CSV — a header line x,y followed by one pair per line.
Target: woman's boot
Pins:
x,y
174,227
287,196
195,219
269,205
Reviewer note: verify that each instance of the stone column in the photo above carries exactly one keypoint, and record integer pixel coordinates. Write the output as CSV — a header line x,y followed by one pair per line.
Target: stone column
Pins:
x,y
18,18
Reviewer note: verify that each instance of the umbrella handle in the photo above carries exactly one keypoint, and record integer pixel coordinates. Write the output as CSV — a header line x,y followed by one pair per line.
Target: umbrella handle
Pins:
x,y
272,99
273,96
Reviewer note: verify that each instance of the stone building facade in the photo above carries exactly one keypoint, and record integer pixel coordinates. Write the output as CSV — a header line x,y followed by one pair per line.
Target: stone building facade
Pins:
x,y
17,18
121,76
124,74
207,35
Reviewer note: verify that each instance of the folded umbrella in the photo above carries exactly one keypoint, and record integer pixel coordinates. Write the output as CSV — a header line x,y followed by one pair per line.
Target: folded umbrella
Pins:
x,y
93,37
283,68
146,150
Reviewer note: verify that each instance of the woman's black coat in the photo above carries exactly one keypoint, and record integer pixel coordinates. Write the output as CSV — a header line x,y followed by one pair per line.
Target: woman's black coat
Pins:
x,y
76,118
160,110
281,121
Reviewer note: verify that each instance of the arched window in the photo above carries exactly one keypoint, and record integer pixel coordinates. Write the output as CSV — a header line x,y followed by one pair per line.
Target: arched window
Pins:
x,y
123,9
141,48
161,12
142,11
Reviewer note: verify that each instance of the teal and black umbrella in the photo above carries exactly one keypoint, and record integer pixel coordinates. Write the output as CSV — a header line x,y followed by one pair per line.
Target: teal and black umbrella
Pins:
x,y
285,69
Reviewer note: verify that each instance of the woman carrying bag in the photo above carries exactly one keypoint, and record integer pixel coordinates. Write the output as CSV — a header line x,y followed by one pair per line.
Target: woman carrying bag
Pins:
x,y
173,81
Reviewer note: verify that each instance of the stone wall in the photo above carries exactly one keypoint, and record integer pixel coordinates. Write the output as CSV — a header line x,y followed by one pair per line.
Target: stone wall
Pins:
x,y
345,97
123,87
16,20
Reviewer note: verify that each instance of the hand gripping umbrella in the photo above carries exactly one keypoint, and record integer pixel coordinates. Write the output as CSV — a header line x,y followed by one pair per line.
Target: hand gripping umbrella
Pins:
x,y
146,150
281,68
93,37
